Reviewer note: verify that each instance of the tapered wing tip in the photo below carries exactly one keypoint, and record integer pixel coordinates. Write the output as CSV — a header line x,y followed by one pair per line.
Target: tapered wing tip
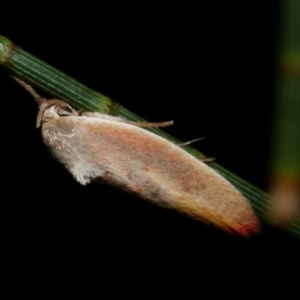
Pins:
x,y
248,228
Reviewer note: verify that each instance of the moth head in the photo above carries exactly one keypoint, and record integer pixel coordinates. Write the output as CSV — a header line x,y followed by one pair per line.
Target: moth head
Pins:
x,y
53,109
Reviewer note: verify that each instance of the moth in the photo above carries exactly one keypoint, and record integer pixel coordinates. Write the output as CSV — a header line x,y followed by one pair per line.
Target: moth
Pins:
x,y
120,152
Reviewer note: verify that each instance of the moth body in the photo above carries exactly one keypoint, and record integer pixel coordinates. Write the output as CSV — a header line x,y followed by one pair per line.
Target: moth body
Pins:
x,y
96,146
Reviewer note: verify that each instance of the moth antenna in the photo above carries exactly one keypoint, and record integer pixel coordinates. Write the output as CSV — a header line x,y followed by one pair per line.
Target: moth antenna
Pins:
x,y
151,124
30,90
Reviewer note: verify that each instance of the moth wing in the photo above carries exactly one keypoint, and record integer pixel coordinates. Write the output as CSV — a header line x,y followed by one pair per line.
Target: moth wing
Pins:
x,y
148,165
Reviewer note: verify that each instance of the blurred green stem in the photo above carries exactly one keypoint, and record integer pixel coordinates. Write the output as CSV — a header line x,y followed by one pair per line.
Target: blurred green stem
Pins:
x,y
285,167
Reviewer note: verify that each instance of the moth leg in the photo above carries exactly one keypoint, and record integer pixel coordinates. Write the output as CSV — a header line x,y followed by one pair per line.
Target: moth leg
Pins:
x,y
190,142
150,124
206,159
118,119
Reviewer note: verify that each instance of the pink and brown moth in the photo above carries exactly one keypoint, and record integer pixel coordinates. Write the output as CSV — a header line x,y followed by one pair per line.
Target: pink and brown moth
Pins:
x,y
98,146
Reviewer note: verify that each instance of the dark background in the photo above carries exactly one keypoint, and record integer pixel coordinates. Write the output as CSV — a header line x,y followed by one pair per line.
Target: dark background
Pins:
x,y
213,73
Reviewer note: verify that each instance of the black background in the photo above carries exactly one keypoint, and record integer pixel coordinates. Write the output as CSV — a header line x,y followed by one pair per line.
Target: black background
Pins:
x,y
213,73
